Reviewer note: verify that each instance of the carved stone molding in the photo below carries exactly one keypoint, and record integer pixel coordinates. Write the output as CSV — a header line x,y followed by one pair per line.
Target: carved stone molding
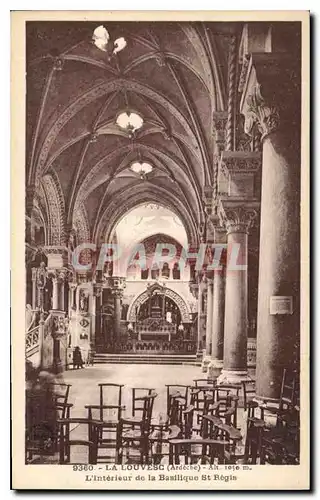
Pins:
x,y
59,327
240,161
219,119
97,290
243,72
179,301
238,217
207,197
115,283
220,235
239,170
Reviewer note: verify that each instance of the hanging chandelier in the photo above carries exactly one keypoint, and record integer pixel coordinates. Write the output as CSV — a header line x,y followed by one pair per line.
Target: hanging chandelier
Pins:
x,y
141,168
129,122
102,41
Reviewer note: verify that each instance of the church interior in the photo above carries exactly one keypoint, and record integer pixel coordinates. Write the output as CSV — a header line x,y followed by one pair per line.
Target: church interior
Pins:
x,y
183,138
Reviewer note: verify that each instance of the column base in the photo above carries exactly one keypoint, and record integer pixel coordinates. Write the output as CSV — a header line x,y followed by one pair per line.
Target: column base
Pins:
x,y
214,368
205,364
233,377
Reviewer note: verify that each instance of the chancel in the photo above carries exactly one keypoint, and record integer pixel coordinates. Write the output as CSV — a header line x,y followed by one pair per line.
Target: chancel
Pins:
x,y
151,148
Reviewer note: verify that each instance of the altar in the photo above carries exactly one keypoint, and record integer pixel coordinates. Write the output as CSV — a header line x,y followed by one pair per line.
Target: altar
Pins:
x,y
155,329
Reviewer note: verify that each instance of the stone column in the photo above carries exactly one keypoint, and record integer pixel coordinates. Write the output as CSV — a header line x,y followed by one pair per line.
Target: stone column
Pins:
x,y
97,292
55,291
218,306
206,359
200,328
117,294
209,316
272,103
238,218
58,279
34,288
117,285
72,305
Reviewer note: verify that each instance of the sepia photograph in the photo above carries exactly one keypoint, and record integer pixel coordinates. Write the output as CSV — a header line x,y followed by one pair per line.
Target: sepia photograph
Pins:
x,y
162,293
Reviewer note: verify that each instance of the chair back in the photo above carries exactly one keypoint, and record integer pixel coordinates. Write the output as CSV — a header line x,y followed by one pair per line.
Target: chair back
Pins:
x,y
110,394
138,393
90,441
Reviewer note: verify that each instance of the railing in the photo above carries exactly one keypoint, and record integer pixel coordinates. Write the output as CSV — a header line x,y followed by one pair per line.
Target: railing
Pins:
x,y
155,347
32,339
36,334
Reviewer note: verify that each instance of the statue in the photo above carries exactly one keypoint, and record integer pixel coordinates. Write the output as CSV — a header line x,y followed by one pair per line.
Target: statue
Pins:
x,y
83,302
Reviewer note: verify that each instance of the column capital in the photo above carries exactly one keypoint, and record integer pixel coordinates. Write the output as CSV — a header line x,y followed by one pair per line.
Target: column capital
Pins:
x,y
117,292
60,275
270,93
238,217
194,289
265,115
57,256
97,290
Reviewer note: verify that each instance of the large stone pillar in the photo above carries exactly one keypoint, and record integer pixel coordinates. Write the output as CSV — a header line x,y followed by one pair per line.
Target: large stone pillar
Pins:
x,y
117,285
97,292
117,294
276,112
238,217
218,306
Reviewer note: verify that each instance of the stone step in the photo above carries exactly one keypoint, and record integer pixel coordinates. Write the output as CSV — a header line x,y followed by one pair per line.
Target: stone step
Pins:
x,y
146,359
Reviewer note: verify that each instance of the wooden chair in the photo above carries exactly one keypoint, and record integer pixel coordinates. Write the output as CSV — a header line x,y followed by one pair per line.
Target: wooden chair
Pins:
x,y
255,426
109,416
91,442
138,394
288,398
133,434
249,391
205,451
214,428
41,424
61,392
201,390
110,394
178,392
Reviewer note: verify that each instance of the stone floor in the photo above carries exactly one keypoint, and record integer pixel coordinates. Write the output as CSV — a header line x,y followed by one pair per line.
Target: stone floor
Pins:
x,y
85,382
85,390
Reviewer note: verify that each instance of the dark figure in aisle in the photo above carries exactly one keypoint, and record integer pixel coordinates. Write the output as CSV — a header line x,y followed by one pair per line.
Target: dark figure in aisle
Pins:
x,y
77,358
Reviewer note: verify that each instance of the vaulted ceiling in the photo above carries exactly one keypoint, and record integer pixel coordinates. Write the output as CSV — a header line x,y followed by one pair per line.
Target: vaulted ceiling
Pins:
x,y
172,74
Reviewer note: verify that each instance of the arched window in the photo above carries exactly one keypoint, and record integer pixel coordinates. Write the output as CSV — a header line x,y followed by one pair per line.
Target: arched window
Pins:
x,y
144,274
165,273
154,272
176,271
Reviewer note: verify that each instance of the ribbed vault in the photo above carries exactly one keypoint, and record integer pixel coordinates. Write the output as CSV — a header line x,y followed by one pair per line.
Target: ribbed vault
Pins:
x,y
172,74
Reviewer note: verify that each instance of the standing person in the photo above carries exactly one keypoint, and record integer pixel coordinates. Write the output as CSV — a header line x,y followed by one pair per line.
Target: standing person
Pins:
x,y
77,358
91,355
